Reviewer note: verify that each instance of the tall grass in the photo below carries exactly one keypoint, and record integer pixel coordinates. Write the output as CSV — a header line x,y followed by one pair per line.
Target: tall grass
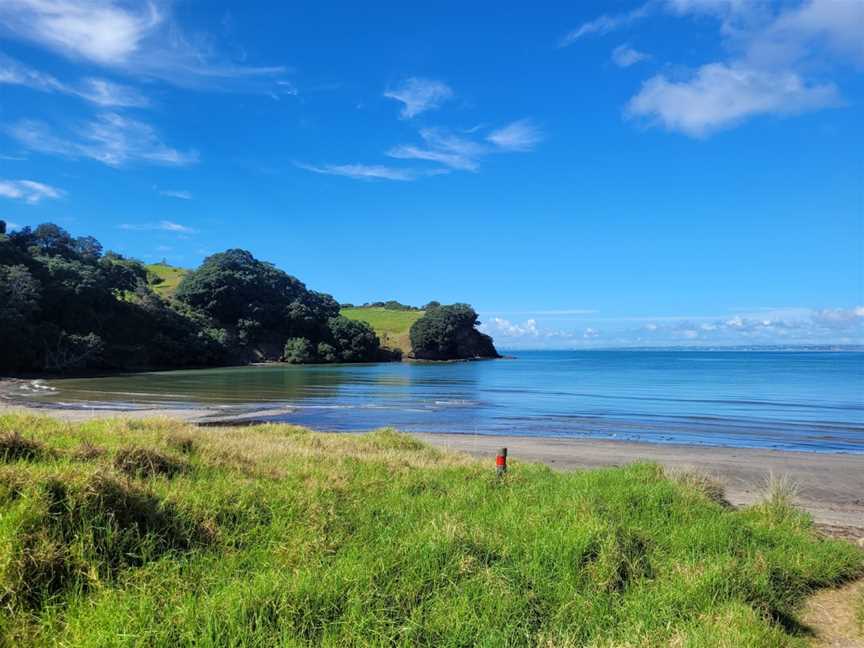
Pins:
x,y
273,535
860,612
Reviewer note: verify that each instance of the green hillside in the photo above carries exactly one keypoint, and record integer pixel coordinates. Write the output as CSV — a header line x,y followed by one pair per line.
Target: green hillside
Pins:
x,y
391,326
165,278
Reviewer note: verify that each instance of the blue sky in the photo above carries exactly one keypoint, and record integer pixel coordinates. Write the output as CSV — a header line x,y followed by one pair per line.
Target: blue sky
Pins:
x,y
603,174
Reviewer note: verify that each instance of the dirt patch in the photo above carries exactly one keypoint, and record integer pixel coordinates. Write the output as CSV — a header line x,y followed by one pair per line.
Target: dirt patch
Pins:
x,y
831,616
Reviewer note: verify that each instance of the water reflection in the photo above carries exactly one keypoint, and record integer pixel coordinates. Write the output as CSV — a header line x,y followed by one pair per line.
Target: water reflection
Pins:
x,y
789,400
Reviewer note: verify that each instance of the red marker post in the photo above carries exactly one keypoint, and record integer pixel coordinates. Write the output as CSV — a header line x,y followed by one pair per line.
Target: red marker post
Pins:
x,y
501,462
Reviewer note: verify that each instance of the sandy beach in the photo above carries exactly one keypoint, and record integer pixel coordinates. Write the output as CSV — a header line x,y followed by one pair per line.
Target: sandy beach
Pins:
x,y
830,486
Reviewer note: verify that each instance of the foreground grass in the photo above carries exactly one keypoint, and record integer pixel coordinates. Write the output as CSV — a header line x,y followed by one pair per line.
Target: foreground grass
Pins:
x,y
860,610
391,326
159,534
171,277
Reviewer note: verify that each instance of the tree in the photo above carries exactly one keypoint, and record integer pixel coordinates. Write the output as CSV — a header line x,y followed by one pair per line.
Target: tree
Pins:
x,y
20,294
353,340
299,351
449,333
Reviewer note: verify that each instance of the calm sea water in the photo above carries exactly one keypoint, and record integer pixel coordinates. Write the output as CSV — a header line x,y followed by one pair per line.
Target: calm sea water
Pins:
x,y
800,401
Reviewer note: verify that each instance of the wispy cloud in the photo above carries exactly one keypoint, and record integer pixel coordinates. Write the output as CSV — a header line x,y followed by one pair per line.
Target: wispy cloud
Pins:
x,y
419,95
140,39
98,91
29,191
173,193
163,225
605,24
463,153
362,171
111,138
720,96
522,135
624,56
443,147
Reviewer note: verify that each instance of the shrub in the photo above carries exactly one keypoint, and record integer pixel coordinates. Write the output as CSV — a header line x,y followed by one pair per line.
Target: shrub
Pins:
x,y
354,341
299,351
448,333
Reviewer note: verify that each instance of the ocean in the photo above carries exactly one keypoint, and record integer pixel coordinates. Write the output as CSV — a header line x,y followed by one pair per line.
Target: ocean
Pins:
x,y
786,400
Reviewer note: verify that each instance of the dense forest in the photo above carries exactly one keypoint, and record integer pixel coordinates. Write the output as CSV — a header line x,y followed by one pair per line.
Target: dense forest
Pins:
x,y
65,304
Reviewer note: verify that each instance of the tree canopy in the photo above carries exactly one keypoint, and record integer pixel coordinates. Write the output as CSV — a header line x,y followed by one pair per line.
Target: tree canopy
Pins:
x,y
64,304
450,333
67,304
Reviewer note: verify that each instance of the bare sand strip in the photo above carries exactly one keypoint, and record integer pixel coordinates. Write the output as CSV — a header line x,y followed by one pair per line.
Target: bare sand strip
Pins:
x,y
830,486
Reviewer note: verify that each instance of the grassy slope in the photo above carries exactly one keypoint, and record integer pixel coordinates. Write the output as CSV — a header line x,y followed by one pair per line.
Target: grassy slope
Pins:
x,y
272,535
170,275
392,326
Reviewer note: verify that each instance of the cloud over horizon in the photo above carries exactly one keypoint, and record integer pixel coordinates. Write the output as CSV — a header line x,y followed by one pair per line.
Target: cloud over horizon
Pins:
x,y
801,326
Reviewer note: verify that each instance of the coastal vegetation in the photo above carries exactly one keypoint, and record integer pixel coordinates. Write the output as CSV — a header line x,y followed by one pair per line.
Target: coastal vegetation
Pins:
x,y
861,611
65,304
392,326
121,532
163,278
450,332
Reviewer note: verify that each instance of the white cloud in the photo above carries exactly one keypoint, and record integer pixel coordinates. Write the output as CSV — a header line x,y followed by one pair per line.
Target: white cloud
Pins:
x,y
464,154
362,171
521,135
774,48
419,95
107,93
801,326
445,148
141,39
834,26
840,317
163,225
98,91
720,96
605,24
452,160
30,191
111,138
174,193
506,328
625,56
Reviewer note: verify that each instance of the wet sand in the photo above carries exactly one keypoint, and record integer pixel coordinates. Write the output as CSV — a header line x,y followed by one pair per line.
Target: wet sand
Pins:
x,y
830,486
